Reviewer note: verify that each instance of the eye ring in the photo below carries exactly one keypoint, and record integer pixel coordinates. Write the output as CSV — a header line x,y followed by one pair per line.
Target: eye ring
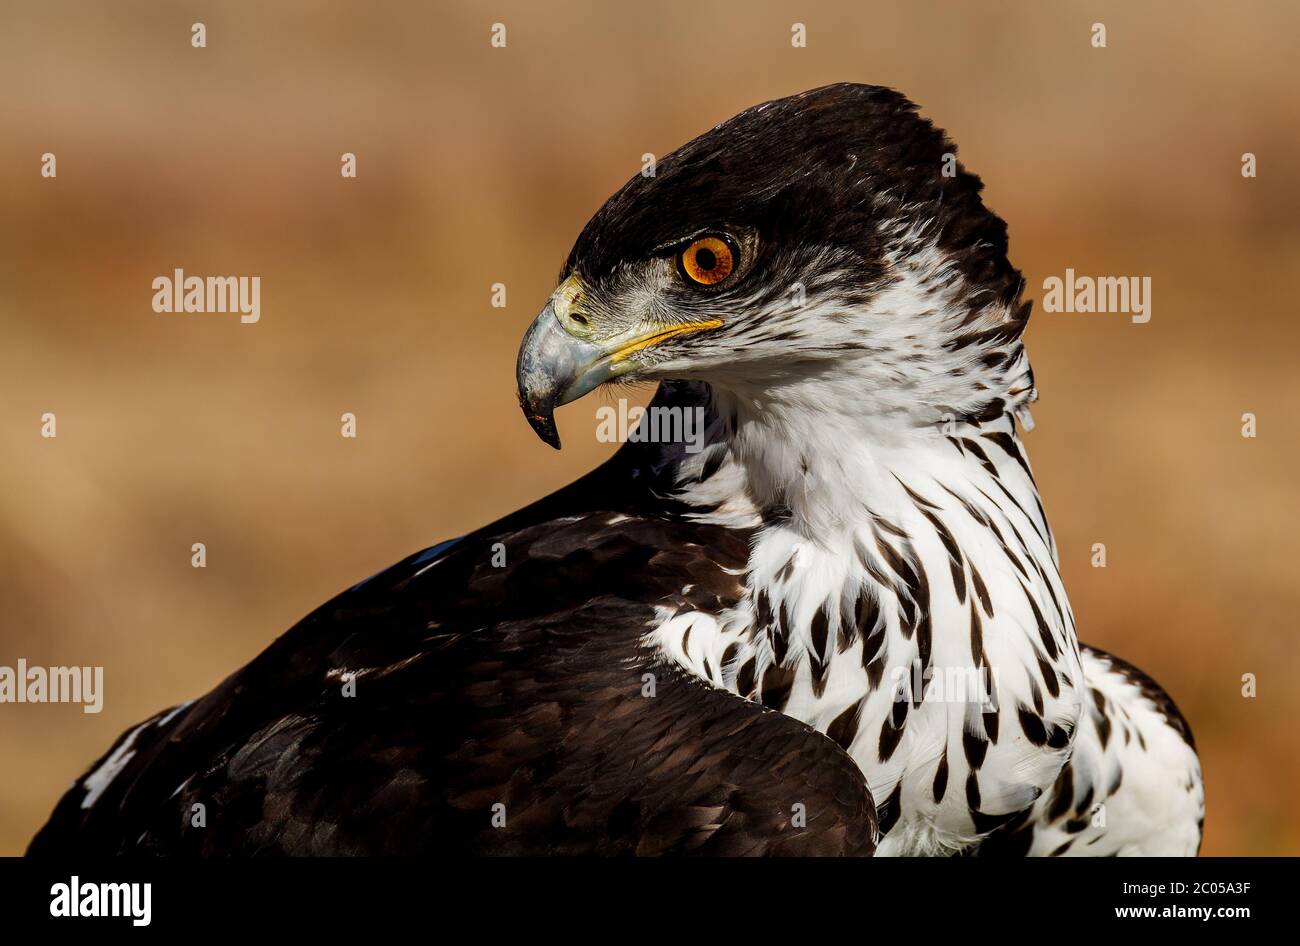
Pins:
x,y
708,260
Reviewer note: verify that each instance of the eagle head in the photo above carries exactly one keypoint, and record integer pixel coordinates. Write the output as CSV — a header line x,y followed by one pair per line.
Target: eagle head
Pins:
x,y
824,248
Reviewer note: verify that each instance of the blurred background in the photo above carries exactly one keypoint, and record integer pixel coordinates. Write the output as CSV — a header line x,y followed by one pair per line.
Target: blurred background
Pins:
x,y
479,165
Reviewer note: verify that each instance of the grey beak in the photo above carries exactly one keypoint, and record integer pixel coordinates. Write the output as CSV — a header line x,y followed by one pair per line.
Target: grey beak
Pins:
x,y
555,367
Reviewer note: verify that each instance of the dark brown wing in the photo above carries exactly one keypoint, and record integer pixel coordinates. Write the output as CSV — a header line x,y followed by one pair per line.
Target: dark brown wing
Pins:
x,y
497,710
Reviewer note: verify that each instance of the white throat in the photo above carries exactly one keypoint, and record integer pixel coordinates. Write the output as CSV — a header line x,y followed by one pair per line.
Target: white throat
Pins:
x,y
883,559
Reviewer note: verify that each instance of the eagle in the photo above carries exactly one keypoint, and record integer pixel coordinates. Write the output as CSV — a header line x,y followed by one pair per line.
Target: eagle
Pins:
x,y
834,626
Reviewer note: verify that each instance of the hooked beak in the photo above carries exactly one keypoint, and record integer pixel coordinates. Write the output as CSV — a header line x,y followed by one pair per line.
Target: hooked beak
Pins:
x,y
557,366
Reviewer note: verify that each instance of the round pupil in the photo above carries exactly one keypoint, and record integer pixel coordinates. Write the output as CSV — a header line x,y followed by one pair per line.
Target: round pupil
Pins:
x,y
706,259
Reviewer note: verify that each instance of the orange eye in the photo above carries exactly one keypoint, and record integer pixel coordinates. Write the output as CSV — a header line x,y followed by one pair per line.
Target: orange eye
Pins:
x,y
708,261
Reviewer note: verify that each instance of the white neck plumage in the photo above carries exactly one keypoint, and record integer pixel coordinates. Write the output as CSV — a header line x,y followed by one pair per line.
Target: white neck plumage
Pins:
x,y
883,557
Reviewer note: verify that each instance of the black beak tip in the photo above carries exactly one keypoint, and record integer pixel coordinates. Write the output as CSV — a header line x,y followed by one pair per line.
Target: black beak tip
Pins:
x,y
543,425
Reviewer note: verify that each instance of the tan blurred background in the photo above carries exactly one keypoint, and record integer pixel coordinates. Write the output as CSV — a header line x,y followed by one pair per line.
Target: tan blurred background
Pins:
x,y
479,165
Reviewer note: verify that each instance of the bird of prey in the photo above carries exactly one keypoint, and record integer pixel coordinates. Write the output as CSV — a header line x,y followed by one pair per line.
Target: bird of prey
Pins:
x,y
837,628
